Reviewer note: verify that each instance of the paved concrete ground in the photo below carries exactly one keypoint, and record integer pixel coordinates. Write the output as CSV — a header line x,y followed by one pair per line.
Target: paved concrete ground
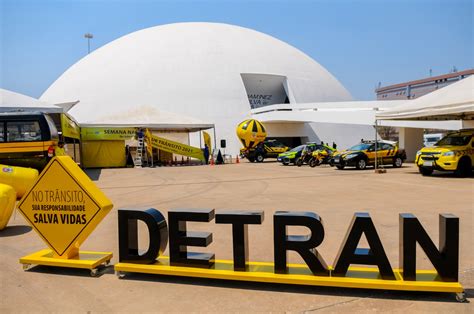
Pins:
x,y
333,194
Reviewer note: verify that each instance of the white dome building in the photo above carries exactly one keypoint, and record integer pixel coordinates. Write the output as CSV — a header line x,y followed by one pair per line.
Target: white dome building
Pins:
x,y
215,73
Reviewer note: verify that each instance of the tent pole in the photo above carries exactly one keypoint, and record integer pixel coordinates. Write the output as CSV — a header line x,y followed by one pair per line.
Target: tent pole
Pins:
x,y
215,140
74,147
375,144
81,155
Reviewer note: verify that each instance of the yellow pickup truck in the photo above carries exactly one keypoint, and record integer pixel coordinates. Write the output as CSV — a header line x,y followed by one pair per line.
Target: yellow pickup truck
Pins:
x,y
454,152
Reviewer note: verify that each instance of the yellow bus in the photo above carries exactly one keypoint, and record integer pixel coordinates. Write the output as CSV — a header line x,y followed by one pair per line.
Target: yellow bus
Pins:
x,y
27,139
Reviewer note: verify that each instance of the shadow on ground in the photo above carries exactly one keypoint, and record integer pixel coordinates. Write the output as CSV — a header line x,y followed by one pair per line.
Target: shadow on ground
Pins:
x,y
329,291
444,175
68,271
94,174
12,231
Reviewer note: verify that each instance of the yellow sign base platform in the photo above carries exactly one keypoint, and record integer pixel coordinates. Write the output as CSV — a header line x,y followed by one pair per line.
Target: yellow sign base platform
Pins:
x,y
298,274
85,260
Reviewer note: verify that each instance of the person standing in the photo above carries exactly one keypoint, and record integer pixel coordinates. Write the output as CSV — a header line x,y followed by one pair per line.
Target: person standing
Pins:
x,y
206,153
140,134
59,150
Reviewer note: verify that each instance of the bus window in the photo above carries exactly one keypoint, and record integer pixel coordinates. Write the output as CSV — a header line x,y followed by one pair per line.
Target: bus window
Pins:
x,y
2,132
23,131
52,128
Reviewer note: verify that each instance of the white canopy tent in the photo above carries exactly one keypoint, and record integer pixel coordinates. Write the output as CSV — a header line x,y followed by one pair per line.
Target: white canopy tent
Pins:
x,y
108,154
149,117
453,102
15,102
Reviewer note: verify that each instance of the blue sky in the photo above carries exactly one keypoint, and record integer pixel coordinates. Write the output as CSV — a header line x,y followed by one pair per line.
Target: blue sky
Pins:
x,y
361,42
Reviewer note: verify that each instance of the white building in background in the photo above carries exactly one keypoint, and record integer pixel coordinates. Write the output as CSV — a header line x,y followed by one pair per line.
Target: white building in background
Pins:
x,y
215,73
222,74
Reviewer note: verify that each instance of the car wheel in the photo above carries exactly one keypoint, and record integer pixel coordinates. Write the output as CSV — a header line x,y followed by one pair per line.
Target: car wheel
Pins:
x,y
361,164
425,171
259,158
397,162
464,168
340,167
251,159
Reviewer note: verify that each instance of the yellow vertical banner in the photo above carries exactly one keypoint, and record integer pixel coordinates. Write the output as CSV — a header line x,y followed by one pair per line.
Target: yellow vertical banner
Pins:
x,y
148,142
207,140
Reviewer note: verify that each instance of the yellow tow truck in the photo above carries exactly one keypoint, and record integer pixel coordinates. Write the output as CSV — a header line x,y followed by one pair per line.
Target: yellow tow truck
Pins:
x,y
454,152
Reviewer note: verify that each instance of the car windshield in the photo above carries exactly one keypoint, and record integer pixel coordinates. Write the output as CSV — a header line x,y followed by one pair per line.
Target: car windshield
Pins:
x,y
361,146
297,148
276,144
454,140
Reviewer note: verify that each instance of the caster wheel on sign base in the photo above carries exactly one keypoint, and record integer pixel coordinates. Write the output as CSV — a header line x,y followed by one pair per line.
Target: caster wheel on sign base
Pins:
x,y
461,297
94,272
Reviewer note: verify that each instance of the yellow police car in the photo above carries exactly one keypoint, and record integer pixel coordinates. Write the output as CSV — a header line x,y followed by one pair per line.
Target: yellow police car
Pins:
x,y
454,152
363,155
266,149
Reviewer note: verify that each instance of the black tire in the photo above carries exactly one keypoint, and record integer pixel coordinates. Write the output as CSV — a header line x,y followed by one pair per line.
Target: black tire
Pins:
x,y
397,162
464,168
425,171
313,162
259,158
251,159
340,167
299,162
285,163
361,164
295,162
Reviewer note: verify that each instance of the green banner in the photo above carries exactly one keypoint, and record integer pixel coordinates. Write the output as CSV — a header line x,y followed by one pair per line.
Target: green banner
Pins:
x,y
69,127
111,134
175,147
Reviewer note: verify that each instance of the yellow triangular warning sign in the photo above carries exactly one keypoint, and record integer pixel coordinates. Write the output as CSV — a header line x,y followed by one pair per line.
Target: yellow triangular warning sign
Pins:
x,y
64,206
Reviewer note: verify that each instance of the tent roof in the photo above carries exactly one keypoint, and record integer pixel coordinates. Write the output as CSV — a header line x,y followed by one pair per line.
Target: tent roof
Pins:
x,y
149,117
453,102
14,102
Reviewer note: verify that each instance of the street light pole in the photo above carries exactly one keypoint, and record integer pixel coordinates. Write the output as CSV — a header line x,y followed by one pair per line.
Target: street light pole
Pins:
x,y
89,36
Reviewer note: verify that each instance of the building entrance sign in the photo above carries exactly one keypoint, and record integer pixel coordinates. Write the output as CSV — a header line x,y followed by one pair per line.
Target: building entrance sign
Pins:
x,y
315,271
